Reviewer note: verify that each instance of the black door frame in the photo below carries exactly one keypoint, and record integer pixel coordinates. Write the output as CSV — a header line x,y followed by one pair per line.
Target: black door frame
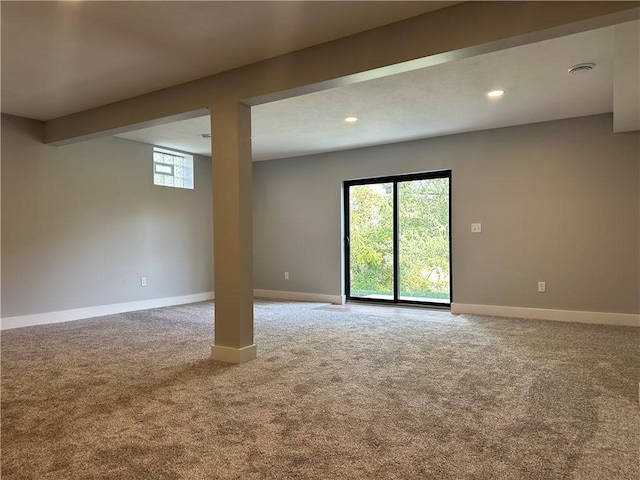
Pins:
x,y
394,179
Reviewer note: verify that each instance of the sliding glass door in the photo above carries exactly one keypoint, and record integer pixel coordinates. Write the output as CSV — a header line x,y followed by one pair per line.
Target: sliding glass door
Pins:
x,y
371,241
397,243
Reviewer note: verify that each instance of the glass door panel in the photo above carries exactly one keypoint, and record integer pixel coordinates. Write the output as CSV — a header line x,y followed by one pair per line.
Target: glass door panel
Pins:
x,y
423,240
371,256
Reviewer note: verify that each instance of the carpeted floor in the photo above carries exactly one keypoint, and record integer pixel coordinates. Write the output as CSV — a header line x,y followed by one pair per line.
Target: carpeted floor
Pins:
x,y
333,395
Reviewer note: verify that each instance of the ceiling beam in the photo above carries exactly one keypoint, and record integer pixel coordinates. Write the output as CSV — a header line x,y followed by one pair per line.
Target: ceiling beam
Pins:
x,y
459,31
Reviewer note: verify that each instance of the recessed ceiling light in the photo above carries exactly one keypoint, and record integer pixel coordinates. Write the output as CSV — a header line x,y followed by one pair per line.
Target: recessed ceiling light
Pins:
x,y
495,93
351,119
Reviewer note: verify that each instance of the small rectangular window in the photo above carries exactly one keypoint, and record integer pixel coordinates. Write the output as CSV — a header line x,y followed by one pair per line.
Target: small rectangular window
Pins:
x,y
172,169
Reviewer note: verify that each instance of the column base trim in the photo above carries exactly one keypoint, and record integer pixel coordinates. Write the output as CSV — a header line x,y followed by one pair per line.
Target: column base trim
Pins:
x,y
234,355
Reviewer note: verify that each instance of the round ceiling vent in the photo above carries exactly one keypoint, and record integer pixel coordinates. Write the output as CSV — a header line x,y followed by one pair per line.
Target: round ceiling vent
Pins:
x,y
581,68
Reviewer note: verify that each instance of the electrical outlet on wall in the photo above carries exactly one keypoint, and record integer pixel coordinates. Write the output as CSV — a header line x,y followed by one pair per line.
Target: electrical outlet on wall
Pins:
x,y
542,287
286,275
143,281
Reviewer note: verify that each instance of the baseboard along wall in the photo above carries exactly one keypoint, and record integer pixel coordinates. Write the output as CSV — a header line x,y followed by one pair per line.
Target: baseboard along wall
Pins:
x,y
100,311
603,318
300,296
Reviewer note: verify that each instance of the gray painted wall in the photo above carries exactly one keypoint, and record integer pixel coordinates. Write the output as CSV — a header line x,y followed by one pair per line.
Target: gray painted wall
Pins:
x,y
82,223
558,202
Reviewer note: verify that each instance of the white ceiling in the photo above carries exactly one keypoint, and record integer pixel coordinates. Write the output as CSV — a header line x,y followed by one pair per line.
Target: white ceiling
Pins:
x,y
439,100
62,57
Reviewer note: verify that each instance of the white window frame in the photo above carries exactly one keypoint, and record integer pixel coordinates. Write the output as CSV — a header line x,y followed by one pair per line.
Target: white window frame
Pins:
x,y
172,168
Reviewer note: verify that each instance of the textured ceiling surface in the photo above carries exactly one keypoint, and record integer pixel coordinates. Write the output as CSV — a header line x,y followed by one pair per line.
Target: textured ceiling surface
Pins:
x,y
59,58
445,99
62,57
439,100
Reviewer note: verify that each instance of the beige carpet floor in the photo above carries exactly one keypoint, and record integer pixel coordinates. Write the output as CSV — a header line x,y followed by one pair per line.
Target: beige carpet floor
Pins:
x,y
334,394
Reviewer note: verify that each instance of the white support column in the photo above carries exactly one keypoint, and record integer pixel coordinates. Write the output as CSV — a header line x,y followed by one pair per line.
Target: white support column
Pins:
x,y
232,233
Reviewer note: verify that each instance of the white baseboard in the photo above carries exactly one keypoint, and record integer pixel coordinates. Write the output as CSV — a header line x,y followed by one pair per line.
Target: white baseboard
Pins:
x,y
300,296
112,309
234,355
603,318
99,311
